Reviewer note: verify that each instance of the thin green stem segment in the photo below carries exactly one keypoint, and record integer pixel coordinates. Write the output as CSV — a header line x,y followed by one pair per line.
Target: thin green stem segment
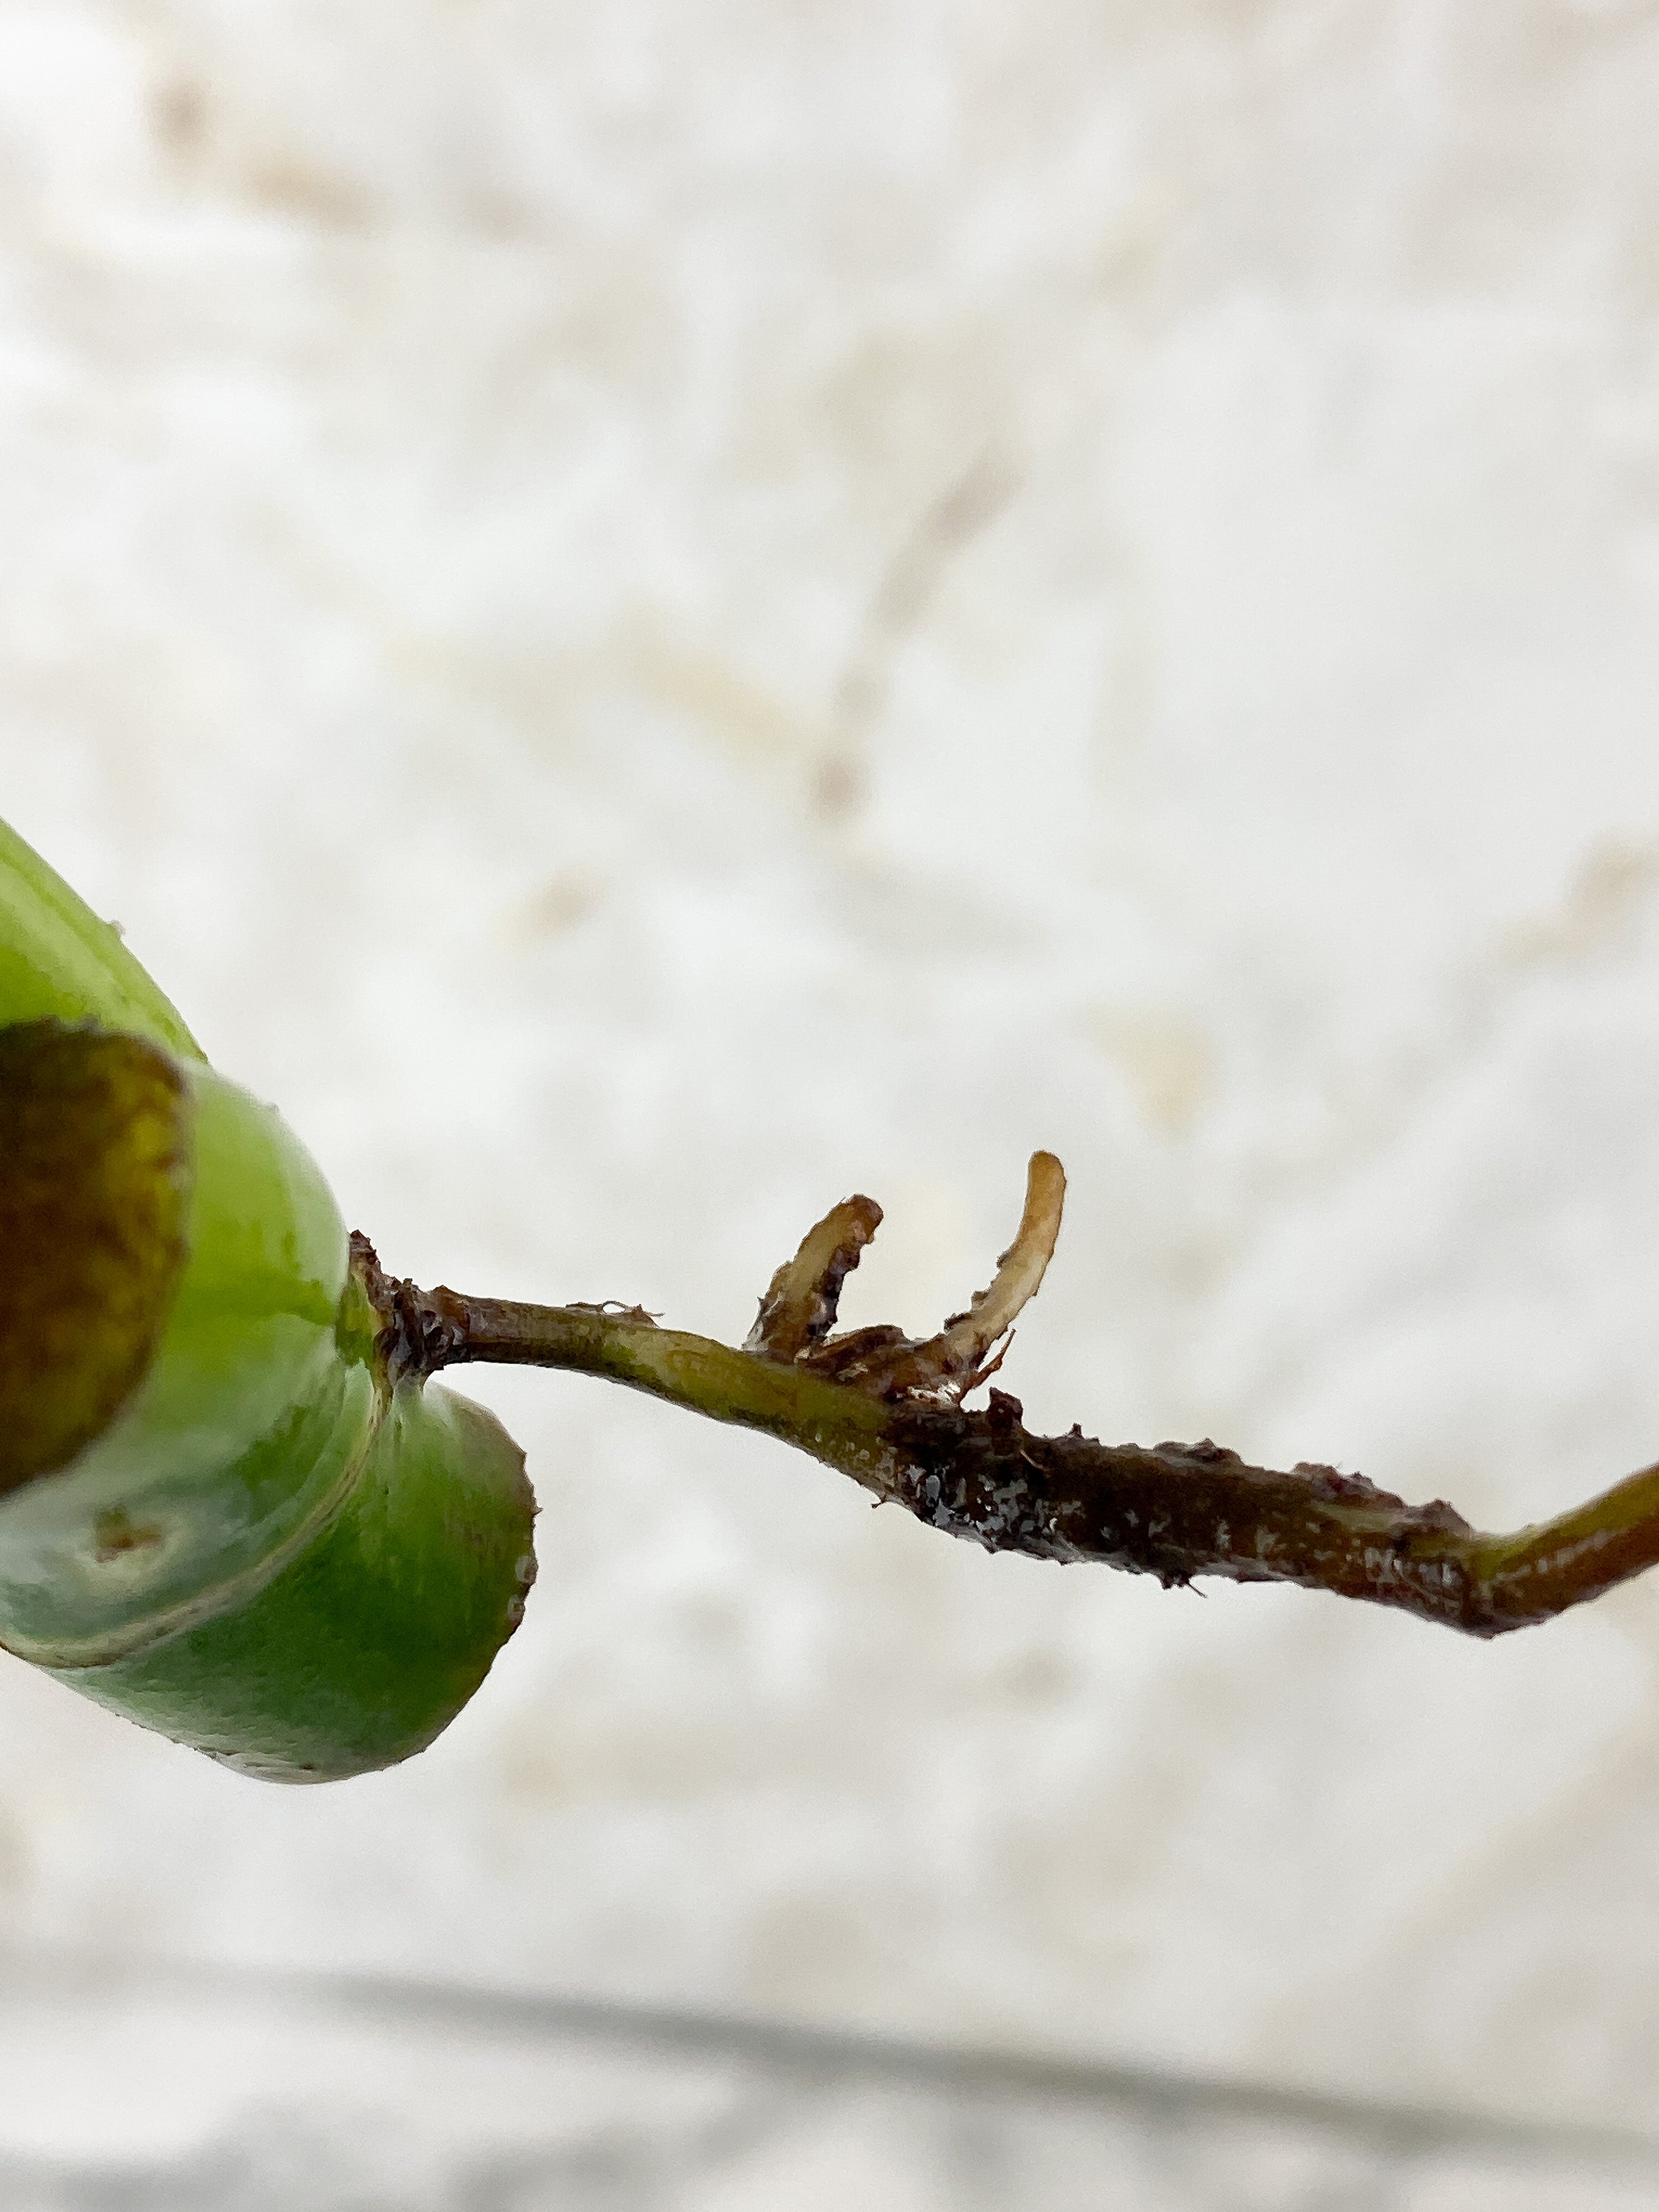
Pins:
x,y
887,1411
1542,1570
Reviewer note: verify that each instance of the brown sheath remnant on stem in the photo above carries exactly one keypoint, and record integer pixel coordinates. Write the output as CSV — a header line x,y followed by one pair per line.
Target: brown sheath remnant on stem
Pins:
x,y
887,1411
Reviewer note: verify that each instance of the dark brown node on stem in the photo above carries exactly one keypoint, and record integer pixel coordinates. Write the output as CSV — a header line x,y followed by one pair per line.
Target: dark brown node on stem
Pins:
x,y
1179,1510
421,1331
95,1185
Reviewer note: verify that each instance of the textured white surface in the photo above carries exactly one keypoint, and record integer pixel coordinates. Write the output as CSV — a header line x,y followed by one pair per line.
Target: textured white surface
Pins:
x,y
652,615
215,2094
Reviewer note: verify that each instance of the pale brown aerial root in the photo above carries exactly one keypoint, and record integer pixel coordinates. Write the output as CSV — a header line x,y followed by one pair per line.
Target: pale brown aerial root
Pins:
x,y
887,1410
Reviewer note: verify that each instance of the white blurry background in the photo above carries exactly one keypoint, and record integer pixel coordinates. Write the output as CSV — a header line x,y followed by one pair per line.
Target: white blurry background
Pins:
x,y
651,615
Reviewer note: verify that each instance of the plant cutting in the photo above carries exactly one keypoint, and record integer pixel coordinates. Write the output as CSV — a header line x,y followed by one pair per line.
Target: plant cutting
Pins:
x,y
236,1507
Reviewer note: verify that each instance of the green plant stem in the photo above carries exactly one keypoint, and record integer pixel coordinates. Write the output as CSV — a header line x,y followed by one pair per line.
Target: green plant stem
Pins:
x,y
1174,1510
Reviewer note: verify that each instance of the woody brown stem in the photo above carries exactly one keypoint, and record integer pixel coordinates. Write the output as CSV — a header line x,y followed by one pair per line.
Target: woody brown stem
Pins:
x,y
886,1411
